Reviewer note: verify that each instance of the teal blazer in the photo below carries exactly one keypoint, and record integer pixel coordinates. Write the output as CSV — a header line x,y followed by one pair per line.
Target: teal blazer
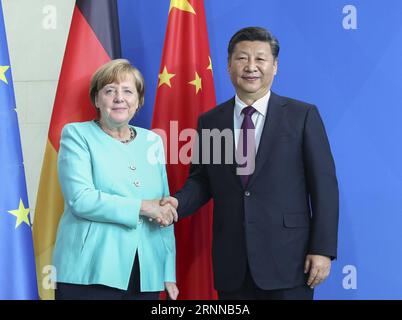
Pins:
x,y
103,182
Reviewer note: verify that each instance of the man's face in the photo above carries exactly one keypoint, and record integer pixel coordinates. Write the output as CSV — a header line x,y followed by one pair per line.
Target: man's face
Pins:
x,y
252,68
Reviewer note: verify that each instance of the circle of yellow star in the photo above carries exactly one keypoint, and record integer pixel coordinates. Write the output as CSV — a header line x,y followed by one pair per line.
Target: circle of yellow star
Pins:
x,y
3,70
164,77
22,215
197,83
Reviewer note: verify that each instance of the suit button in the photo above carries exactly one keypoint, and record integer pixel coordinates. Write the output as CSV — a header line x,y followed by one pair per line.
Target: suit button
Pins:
x,y
137,183
132,167
247,193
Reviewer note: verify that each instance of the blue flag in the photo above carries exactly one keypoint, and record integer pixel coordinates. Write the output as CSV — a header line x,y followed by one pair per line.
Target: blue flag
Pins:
x,y
17,260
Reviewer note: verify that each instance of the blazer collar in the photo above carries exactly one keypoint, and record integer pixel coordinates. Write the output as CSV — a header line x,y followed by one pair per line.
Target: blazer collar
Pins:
x,y
225,121
270,130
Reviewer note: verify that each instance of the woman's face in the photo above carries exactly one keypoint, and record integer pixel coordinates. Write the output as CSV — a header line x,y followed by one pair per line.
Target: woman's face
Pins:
x,y
118,102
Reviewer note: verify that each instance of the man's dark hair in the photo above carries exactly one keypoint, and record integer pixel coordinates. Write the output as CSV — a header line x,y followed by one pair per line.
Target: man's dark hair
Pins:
x,y
254,34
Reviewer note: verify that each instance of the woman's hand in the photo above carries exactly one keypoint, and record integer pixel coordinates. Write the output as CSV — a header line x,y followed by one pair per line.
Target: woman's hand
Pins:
x,y
163,215
172,290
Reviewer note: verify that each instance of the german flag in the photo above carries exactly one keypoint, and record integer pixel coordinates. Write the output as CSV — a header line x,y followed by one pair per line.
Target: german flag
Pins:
x,y
93,40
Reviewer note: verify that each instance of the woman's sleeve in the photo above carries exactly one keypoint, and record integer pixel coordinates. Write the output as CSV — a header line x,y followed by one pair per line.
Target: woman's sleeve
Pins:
x,y
75,176
167,232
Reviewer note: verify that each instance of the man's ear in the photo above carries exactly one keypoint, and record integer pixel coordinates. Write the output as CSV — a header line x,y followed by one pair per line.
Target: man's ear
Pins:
x,y
229,63
275,66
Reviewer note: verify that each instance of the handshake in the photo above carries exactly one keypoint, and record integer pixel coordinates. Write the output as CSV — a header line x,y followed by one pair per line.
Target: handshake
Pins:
x,y
162,212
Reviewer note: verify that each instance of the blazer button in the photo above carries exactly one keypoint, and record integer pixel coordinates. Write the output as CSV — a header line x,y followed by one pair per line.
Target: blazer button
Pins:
x,y
137,183
132,167
247,193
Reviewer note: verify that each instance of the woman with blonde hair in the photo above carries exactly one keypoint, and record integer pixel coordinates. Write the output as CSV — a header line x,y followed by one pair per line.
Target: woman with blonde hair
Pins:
x,y
112,175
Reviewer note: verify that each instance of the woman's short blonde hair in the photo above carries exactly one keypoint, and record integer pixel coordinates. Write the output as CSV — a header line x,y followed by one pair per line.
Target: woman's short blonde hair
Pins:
x,y
116,71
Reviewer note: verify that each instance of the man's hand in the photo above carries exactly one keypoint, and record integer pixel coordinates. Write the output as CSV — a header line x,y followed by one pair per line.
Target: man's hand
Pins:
x,y
168,213
171,200
172,290
163,215
319,267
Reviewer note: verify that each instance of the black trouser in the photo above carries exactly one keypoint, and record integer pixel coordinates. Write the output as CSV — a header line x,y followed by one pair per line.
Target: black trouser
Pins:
x,y
250,291
68,291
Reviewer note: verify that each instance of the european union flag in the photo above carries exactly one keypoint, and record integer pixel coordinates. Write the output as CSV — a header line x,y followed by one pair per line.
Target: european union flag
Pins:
x,y
17,260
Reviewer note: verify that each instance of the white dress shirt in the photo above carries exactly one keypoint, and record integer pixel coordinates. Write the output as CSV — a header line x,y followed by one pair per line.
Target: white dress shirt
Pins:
x,y
258,117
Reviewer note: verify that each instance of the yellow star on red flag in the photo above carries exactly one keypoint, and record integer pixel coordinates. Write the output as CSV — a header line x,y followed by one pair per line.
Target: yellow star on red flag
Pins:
x,y
183,5
197,83
22,214
164,77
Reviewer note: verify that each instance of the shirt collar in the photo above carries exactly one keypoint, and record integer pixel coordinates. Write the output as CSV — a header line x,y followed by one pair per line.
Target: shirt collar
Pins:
x,y
261,105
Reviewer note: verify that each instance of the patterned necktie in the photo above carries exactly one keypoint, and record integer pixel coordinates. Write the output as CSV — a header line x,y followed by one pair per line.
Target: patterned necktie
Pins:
x,y
247,145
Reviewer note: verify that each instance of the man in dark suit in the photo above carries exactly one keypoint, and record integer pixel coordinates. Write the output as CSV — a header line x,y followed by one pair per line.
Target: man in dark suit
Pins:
x,y
275,225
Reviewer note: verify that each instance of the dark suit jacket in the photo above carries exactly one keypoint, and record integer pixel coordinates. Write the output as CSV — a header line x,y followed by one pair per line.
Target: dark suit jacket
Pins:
x,y
289,208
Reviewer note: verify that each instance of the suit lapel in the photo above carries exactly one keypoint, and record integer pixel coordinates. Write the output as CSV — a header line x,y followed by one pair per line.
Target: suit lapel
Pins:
x,y
226,122
270,129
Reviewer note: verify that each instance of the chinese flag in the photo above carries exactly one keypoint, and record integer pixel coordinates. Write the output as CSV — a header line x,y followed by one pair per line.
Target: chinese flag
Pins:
x,y
185,90
93,40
